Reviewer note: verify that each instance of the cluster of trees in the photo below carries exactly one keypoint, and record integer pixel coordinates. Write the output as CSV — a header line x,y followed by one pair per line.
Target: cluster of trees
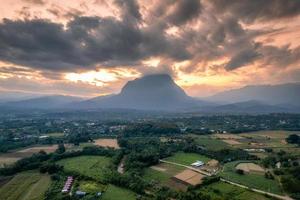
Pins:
x,y
285,159
293,139
151,129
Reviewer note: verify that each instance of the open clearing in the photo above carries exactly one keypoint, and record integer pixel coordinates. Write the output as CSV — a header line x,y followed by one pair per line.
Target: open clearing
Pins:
x,y
187,158
231,142
91,166
91,187
25,186
164,177
221,190
189,177
252,180
210,143
113,143
227,136
12,157
117,193
250,167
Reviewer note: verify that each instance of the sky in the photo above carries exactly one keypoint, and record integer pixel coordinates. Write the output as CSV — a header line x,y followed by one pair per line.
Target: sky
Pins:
x,y
91,48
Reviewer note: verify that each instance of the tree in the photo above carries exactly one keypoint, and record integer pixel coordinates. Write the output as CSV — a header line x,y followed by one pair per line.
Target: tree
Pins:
x,y
61,148
293,139
240,171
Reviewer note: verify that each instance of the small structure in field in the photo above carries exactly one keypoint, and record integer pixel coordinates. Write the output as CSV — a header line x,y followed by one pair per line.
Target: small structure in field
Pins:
x,y
198,163
68,184
80,193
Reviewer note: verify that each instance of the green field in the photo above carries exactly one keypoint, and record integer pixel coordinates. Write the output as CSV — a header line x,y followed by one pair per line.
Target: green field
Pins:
x,y
117,193
91,187
211,143
25,186
252,180
221,190
162,177
187,158
91,166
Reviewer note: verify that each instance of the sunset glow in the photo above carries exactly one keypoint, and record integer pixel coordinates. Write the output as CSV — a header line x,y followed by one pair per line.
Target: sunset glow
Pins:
x,y
215,45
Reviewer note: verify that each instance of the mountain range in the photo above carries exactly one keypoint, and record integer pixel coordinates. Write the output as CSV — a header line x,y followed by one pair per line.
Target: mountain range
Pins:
x,y
160,93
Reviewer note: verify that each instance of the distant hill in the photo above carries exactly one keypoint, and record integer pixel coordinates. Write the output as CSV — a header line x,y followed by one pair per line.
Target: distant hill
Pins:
x,y
250,107
152,92
45,102
283,94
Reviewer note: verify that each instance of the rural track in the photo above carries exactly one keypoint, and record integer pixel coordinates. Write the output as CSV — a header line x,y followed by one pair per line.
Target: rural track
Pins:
x,y
230,182
258,191
192,168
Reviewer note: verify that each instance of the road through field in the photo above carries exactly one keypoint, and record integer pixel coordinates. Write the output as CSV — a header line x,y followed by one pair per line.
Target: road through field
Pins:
x,y
192,168
232,183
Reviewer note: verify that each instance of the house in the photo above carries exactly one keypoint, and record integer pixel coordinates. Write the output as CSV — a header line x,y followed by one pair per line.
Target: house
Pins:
x,y
68,185
198,163
80,193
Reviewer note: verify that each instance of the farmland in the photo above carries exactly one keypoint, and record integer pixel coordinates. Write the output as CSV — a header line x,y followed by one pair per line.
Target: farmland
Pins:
x,y
162,173
222,190
113,143
252,180
186,158
91,166
210,143
25,186
115,193
11,157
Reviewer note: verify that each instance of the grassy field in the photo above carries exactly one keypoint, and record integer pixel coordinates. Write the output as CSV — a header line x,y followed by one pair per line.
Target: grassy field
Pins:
x,y
162,176
91,166
211,143
91,187
186,158
25,186
223,190
253,180
117,193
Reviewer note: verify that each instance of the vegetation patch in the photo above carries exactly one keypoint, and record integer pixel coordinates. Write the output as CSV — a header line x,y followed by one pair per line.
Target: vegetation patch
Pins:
x,y
25,186
257,181
187,158
221,190
90,166
116,193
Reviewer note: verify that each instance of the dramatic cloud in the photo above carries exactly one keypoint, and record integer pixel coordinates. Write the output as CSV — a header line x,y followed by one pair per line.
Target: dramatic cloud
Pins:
x,y
215,44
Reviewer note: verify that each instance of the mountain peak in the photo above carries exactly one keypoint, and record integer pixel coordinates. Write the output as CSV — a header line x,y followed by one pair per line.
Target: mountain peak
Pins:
x,y
151,92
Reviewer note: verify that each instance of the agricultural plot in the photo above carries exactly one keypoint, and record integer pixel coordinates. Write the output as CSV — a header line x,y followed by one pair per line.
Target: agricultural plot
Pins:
x,y
117,193
211,143
12,157
112,143
223,190
252,180
189,177
271,139
187,158
91,166
25,186
250,167
163,173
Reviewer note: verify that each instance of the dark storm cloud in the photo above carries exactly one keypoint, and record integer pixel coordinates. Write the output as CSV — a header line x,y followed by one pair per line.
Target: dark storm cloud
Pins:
x,y
184,11
252,10
87,42
241,59
129,9
84,42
